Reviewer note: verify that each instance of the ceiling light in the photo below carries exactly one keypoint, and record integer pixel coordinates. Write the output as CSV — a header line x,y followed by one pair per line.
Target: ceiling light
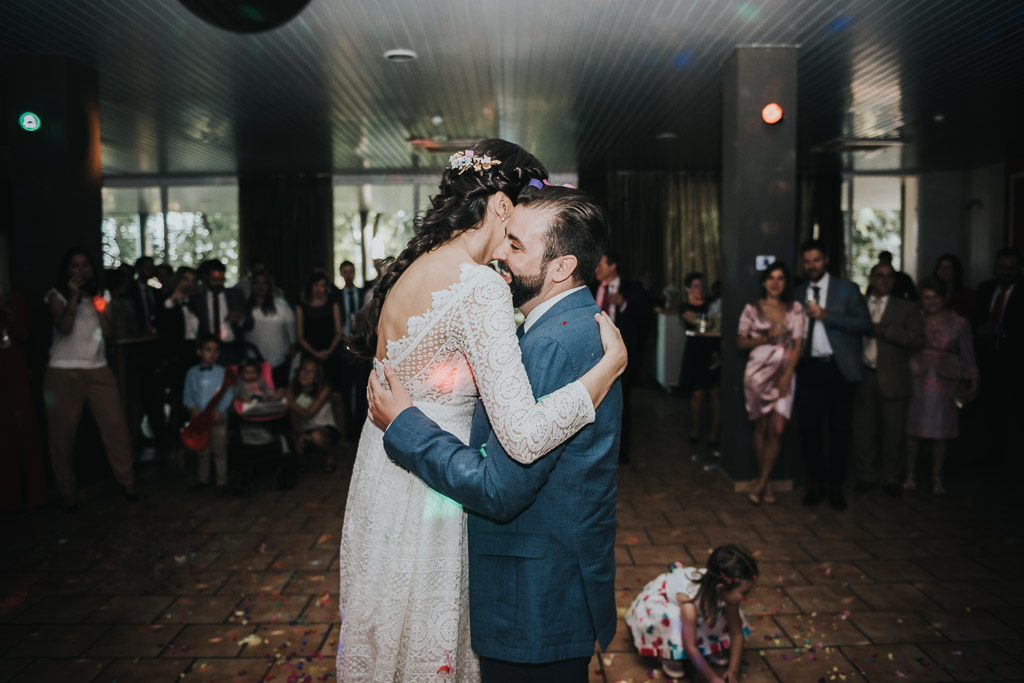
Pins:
x,y
667,135
400,55
939,118
771,114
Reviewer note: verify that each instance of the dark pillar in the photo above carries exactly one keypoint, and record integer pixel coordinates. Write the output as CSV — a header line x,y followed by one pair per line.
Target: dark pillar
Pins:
x,y
52,176
758,217
287,220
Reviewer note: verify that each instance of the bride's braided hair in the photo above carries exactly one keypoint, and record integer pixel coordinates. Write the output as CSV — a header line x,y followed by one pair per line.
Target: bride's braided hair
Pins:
x,y
460,206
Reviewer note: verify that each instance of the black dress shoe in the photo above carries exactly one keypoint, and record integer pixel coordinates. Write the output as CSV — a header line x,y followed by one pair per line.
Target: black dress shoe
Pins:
x,y
863,486
815,493
835,497
894,490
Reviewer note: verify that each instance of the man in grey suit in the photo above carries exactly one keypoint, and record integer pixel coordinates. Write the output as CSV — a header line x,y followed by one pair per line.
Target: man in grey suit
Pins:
x,y
541,537
828,373
880,405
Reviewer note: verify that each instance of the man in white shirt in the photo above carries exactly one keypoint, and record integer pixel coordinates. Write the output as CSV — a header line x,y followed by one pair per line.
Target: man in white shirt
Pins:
x,y
882,398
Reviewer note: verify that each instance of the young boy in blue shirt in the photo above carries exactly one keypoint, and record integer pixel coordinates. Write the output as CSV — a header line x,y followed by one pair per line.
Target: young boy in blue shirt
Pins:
x,y
201,382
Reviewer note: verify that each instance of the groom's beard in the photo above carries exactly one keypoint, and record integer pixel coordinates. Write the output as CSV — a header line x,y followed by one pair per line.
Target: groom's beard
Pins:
x,y
525,287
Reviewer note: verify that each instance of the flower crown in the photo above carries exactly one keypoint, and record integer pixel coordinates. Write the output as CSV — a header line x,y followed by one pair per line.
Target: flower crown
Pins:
x,y
462,161
541,184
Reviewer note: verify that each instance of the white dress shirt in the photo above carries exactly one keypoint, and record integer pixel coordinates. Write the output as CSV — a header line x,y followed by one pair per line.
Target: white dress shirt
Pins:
x,y
877,306
544,307
820,346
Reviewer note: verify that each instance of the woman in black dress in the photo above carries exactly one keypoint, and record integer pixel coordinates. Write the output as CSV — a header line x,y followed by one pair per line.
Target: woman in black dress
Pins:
x,y
318,330
700,374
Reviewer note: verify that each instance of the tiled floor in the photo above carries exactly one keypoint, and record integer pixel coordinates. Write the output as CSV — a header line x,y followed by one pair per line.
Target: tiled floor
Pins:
x,y
194,588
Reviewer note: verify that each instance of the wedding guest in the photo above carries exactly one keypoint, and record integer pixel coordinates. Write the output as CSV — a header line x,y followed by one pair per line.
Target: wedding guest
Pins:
x,y
903,288
880,404
772,329
221,312
354,371
164,273
77,374
938,373
999,329
178,328
319,331
829,371
309,406
273,326
700,374
960,299
202,382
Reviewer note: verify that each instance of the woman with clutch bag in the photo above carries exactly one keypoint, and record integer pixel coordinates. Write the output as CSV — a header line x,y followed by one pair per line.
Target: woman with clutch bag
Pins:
x,y
942,373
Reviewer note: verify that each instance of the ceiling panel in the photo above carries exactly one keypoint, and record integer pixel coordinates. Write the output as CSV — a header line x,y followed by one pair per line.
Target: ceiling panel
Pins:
x,y
582,83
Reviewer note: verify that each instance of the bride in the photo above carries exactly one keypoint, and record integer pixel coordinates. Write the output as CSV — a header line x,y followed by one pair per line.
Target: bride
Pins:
x,y
444,320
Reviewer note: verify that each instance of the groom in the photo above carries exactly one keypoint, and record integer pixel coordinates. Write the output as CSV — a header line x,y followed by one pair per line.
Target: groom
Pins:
x,y
541,557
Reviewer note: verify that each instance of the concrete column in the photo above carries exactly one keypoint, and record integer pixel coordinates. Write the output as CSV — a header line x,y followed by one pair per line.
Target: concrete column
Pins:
x,y
758,217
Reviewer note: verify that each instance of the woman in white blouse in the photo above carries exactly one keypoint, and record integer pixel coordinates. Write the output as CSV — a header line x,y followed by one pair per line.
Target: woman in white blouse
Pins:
x,y
273,329
77,373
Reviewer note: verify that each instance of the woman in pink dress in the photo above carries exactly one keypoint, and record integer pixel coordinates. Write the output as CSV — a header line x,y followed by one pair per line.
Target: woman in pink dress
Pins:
x,y
772,329
936,372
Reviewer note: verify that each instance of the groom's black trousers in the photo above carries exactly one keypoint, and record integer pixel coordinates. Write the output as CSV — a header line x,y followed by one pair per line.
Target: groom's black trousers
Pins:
x,y
564,671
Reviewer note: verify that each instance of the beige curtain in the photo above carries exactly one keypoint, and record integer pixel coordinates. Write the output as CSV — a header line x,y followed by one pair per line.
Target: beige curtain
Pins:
x,y
665,225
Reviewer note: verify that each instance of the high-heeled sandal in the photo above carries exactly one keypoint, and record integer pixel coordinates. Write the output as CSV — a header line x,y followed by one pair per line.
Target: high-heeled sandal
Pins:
x,y
768,498
754,498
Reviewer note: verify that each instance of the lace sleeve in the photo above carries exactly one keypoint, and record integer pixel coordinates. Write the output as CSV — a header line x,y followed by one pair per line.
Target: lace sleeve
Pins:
x,y
486,334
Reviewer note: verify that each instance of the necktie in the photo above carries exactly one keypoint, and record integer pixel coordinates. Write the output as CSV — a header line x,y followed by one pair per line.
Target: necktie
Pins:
x,y
216,316
810,328
520,331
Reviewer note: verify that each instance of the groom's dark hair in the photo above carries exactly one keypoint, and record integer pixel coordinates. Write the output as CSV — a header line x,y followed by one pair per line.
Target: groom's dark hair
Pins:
x,y
579,227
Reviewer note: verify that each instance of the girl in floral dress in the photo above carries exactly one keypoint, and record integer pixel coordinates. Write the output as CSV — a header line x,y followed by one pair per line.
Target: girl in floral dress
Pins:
x,y
694,614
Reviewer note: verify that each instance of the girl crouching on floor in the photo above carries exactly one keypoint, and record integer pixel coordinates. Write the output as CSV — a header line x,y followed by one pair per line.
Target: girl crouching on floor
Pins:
x,y
692,614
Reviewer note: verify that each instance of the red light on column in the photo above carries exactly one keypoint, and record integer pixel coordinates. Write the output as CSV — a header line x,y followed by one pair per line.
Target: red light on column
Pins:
x,y
772,113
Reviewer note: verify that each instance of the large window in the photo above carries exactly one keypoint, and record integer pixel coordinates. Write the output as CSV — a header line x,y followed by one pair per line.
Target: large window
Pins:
x,y
371,221
198,222
873,214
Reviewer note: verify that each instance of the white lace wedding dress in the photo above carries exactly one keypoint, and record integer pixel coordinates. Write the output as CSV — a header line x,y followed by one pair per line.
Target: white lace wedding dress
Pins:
x,y
404,586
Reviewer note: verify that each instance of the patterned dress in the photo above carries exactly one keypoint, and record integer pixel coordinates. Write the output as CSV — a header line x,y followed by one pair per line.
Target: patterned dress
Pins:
x,y
404,594
935,372
655,622
768,361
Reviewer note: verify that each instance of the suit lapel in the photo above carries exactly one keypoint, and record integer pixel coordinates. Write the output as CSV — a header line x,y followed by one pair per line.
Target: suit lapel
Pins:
x,y
578,299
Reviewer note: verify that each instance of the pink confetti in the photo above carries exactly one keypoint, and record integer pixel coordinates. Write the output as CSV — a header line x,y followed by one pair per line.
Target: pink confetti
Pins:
x,y
901,674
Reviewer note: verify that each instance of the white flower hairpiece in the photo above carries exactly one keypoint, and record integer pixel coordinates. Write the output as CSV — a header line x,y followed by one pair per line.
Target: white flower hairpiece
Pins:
x,y
461,161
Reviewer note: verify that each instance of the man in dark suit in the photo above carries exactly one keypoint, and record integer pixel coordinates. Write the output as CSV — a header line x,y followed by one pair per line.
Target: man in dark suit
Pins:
x,y
880,404
999,330
626,303
221,312
541,537
828,372
354,371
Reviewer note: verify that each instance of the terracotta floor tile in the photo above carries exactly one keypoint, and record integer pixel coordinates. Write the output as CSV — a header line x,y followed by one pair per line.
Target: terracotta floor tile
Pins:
x,y
811,667
956,569
233,670
1014,647
718,534
835,550
828,599
769,600
213,609
893,549
949,547
895,627
321,609
295,641
660,556
960,594
62,670
208,640
61,610
830,573
784,532
126,583
622,556
823,630
143,671
245,584
780,552
886,571
780,574
133,640
309,560
895,663
975,661
9,668
893,596
67,583
270,608
307,583
667,535
56,640
131,610
964,625
636,535
191,583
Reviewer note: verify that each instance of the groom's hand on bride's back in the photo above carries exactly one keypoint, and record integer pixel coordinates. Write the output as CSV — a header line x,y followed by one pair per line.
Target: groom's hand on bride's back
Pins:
x,y
386,403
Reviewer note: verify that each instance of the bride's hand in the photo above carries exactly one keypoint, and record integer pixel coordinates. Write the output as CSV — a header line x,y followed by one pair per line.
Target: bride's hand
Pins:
x,y
386,404
614,348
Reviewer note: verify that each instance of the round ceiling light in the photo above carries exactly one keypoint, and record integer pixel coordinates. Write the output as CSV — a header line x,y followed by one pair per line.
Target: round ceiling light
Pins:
x,y
400,55
666,136
771,114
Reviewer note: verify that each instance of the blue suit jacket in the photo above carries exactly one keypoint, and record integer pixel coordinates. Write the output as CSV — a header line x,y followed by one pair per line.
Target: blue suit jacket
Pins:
x,y
541,537
847,322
